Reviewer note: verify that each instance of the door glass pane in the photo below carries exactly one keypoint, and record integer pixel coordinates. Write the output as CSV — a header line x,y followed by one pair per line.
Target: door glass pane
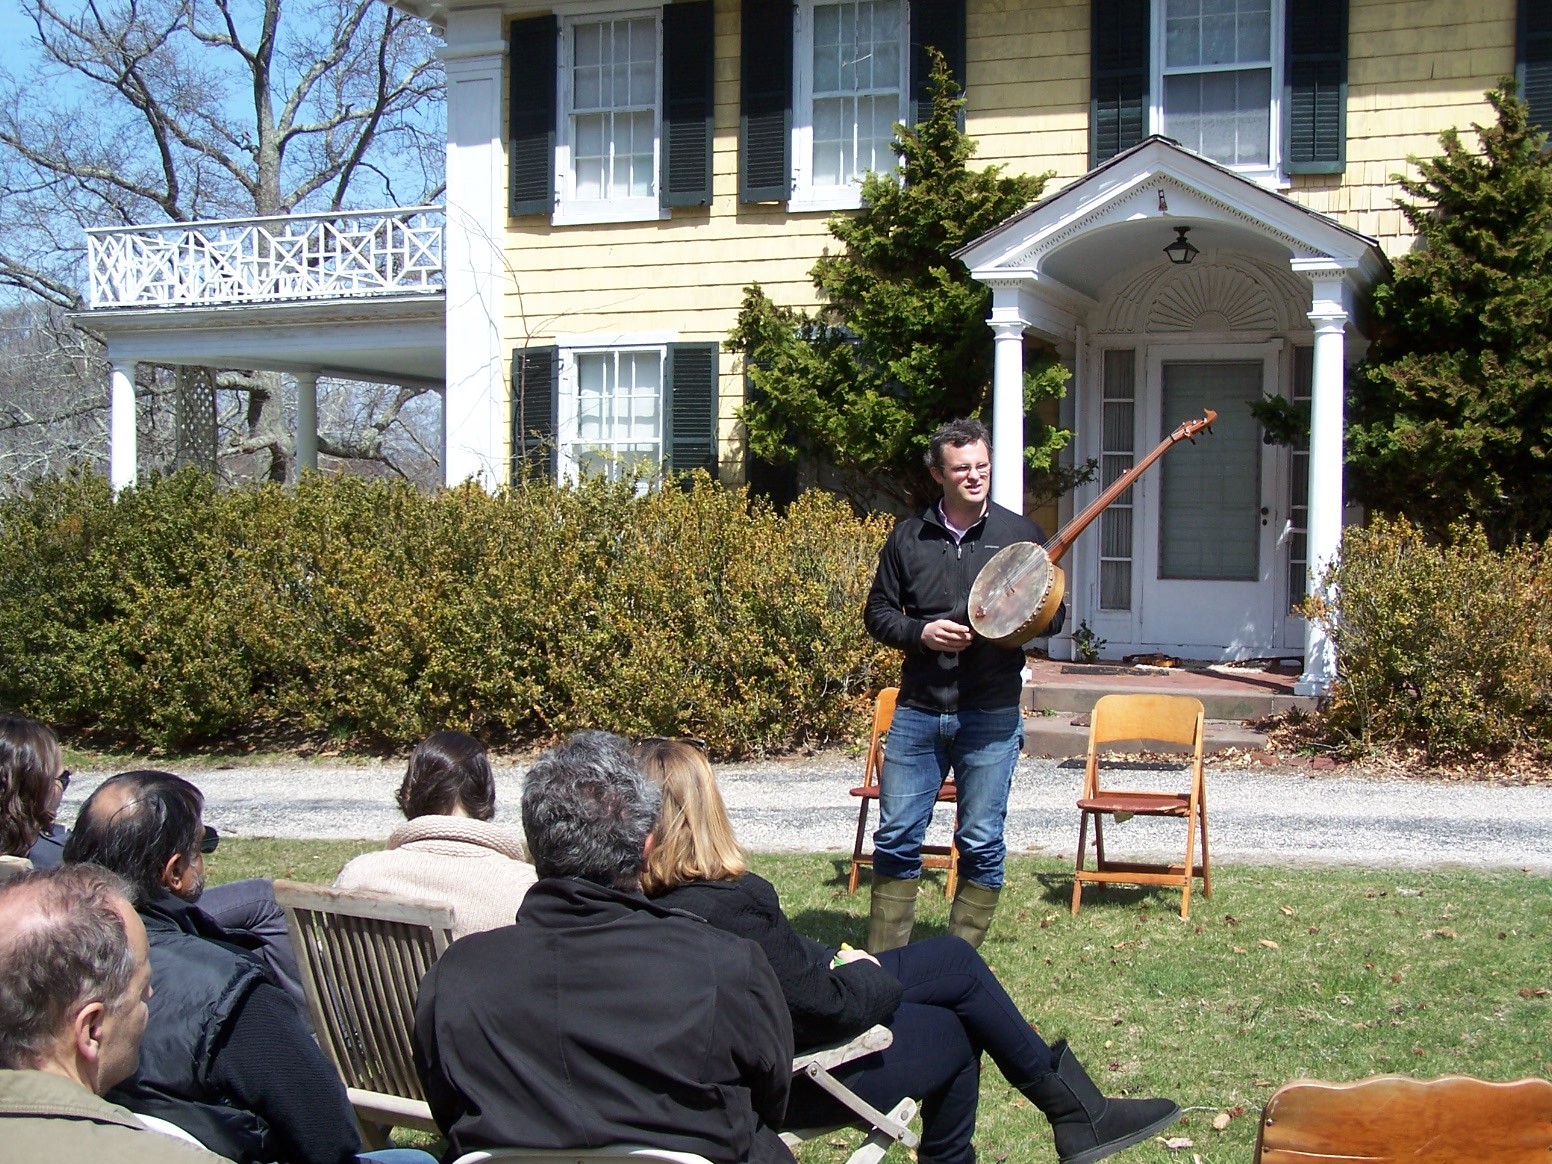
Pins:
x,y
1210,518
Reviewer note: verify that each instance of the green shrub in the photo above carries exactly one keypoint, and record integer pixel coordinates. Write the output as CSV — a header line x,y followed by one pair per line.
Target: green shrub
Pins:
x,y
177,614
1443,647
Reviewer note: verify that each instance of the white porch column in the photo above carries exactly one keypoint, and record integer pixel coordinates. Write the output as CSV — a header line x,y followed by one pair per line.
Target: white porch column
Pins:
x,y
306,421
1008,404
475,403
122,449
1329,314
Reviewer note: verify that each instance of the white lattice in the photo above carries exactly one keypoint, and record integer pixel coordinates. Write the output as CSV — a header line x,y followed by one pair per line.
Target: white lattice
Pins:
x,y
265,260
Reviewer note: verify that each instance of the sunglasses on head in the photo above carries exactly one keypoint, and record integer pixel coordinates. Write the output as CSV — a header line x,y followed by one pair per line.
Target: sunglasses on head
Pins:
x,y
694,741
211,838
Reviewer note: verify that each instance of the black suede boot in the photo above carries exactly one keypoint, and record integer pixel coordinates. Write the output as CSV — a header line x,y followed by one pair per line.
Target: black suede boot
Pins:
x,y
1087,1125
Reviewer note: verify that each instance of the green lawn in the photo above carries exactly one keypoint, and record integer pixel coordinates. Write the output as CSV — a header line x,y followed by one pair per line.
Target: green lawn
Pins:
x,y
1330,973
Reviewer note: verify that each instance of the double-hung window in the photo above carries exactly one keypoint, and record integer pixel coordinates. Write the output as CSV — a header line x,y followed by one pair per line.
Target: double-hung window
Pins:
x,y
608,129
612,405
1257,85
611,411
851,90
1219,78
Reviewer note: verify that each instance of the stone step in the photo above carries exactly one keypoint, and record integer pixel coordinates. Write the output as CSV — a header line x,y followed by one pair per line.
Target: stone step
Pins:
x,y
1061,736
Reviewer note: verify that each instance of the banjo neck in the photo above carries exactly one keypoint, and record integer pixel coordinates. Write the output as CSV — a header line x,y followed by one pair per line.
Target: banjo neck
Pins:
x,y
1062,542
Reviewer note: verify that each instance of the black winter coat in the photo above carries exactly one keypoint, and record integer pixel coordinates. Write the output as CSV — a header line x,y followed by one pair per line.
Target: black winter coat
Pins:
x,y
602,1018
827,1005
225,1055
923,576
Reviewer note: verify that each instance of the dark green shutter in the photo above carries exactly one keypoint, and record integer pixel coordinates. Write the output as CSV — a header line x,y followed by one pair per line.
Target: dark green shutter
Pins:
x,y
691,438
1533,60
532,115
1315,87
765,101
688,49
941,25
1118,83
535,410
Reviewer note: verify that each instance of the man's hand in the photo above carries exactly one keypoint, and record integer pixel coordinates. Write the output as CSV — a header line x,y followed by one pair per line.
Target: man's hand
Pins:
x,y
946,635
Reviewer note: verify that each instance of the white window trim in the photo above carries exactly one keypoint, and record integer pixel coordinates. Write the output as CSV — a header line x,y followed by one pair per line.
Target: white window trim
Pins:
x,y
571,346
805,196
569,209
1271,175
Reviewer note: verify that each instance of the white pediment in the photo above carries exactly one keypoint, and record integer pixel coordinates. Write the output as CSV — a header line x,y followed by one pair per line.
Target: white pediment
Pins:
x,y
1067,247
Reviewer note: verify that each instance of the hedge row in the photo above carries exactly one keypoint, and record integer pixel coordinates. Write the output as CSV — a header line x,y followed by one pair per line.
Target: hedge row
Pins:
x,y
178,614
1446,648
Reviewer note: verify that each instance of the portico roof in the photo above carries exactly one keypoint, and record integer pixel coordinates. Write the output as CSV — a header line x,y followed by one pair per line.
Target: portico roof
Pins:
x,y
1065,248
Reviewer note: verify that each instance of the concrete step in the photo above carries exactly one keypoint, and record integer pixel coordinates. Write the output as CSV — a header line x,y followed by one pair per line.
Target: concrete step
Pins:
x,y
1220,700
1061,736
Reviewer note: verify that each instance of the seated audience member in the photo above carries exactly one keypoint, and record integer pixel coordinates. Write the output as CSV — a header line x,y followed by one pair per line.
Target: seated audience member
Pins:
x,y
74,980
448,850
600,1017
33,782
938,997
226,1056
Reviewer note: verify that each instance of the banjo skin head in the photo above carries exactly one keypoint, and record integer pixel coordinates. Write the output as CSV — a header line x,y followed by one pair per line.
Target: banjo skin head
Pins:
x,y
1010,600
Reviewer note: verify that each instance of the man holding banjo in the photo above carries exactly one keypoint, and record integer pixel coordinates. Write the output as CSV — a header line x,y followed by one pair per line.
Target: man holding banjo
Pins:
x,y
959,692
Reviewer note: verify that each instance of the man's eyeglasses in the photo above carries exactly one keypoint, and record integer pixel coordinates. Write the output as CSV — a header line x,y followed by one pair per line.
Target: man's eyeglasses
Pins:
x,y
63,779
980,470
208,842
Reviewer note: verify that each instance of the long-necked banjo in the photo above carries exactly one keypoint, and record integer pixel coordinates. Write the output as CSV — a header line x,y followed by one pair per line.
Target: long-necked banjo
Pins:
x,y
1019,591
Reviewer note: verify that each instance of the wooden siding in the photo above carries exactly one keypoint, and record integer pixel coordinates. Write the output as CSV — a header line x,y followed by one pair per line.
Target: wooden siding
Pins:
x,y
1414,68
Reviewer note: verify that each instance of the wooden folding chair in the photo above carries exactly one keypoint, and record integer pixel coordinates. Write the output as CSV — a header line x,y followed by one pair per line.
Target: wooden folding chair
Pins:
x,y
933,856
362,956
1166,719
1392,1119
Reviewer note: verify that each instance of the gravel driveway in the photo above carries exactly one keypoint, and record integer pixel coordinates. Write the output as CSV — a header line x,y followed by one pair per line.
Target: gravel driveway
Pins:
x,y
801,805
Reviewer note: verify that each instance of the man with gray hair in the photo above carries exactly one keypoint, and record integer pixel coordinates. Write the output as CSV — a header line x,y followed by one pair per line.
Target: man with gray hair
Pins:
x,y
75,977
602,1017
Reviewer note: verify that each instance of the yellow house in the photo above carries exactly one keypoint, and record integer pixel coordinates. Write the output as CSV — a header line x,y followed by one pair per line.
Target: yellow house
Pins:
x,y
619,170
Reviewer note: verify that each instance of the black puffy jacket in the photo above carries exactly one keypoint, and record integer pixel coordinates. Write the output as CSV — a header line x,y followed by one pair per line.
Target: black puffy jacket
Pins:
x,y
923,576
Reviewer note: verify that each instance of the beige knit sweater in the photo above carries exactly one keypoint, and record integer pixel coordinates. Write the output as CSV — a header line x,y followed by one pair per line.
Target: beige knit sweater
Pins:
x,y
473,865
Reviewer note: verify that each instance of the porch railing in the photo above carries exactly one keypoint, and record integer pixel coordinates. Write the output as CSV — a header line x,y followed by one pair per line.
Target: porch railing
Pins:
x,y
331,255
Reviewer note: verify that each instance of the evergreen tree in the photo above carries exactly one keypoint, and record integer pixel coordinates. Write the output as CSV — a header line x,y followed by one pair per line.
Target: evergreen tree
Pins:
x,y
1451,417
900,344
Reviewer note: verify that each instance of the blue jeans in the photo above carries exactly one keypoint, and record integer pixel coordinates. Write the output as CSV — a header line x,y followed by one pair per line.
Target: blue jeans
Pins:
x,y
399,1156
981,746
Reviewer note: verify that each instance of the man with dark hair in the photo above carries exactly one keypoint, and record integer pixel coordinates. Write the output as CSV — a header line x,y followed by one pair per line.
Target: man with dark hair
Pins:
x,y
74,982
602,1017
226,1056
959,694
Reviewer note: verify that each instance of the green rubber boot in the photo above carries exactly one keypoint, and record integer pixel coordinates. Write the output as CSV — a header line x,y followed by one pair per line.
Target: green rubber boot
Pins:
x,y
893,912
971,914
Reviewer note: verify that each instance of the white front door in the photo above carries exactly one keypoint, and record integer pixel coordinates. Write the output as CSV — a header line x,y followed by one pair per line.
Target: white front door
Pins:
x,y
1211,583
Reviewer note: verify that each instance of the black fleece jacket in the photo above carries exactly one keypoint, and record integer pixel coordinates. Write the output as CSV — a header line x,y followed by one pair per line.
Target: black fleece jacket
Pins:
x,y
827,1005
602,1018
923,576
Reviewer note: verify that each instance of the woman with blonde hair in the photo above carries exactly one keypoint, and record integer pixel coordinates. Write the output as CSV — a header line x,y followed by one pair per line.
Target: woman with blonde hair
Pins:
x,y
938,997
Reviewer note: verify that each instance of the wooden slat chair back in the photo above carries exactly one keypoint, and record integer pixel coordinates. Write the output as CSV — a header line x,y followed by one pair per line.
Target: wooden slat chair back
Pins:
x,y
933,856
1392,1119
1166,719
362,956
